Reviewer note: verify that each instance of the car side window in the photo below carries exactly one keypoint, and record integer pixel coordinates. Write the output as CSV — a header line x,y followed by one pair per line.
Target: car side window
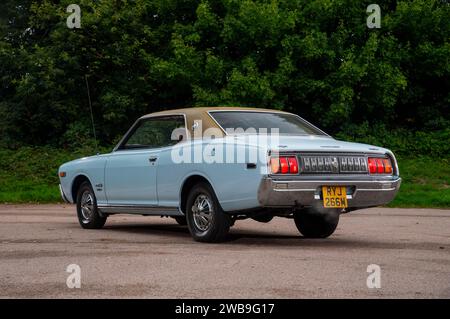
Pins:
x,y
155,132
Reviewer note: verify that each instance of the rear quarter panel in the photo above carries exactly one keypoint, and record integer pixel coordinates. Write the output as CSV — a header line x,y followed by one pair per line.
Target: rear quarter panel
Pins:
x,y
235,185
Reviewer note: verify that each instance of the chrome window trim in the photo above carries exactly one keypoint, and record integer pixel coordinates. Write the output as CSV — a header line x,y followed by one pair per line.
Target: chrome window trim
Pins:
x,y
146,117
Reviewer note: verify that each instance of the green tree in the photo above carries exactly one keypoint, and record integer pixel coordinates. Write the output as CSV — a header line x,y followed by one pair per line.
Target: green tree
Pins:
x,y
315,58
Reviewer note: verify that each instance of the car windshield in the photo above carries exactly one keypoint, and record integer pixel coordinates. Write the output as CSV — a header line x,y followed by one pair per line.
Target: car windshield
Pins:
x,y
246,122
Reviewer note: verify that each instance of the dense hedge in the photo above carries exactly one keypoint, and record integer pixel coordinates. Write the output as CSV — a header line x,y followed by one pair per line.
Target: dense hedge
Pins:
x,y
316,58
435,144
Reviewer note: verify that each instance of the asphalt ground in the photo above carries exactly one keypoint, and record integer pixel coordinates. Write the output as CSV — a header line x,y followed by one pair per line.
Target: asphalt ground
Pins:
x,y
153,257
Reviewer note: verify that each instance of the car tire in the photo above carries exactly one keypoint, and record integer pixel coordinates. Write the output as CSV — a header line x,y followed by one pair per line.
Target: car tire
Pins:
x,y
206,220
89,216
181,220
316,223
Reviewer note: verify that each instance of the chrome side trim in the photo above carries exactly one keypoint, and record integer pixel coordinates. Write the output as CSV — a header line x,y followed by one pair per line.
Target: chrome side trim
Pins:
x,y
140,209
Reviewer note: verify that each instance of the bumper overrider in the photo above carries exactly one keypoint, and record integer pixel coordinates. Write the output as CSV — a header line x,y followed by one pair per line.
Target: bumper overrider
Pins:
x,y
360,192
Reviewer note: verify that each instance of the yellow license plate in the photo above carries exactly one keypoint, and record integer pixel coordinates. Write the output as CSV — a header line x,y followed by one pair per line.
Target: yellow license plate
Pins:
x,y
334,196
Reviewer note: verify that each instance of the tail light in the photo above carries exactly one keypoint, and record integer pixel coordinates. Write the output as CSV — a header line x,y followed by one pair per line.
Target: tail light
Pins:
x,y
372,165
379,165
293,165
387,166
275,165
284,165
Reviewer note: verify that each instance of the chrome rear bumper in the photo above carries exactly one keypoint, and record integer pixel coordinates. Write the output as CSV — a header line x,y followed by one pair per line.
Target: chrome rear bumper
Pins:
x,y
360,193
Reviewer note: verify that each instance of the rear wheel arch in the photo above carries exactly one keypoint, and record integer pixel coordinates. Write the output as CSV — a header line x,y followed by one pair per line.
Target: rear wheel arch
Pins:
x,y
187,186
206,220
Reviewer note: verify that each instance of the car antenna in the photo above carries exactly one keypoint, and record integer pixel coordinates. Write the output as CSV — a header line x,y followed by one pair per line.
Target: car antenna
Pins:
x,y
92,115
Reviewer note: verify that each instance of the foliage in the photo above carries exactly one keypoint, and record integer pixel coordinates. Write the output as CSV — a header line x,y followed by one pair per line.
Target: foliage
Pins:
x,y
315,58
30,174
425,183
402,142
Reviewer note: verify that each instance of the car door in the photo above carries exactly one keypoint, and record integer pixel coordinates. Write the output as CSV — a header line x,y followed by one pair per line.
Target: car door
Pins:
x,y
130,172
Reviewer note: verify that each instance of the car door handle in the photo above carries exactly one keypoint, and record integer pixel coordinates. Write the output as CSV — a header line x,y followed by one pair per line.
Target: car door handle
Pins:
x,y
152,159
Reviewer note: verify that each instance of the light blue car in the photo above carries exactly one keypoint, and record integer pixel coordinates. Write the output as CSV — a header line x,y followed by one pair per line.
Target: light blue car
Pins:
x,y
208,167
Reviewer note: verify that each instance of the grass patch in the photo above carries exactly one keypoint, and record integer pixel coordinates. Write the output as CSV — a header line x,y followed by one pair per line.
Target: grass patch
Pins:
x,y
426,183
29,175
27,192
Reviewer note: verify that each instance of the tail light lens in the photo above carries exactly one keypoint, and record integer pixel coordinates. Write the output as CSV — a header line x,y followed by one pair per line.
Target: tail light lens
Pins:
x,y
284,165
387,166
379,165
275,165
372,165
293,165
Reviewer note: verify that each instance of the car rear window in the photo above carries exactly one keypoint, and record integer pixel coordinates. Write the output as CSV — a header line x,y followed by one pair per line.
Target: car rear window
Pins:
x,y
285,123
